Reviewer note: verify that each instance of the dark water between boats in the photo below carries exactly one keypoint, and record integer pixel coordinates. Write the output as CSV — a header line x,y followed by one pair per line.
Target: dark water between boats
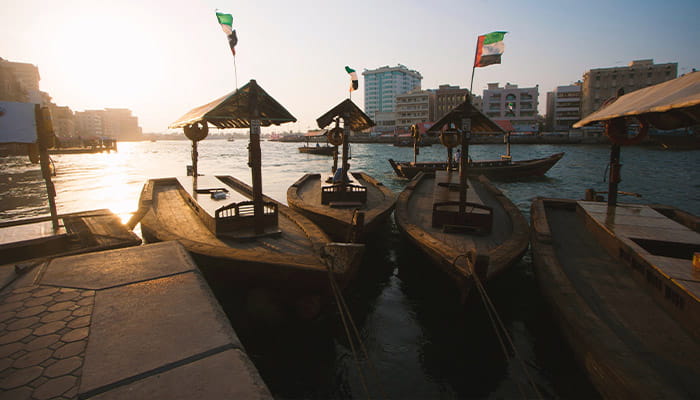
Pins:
x,y
422,344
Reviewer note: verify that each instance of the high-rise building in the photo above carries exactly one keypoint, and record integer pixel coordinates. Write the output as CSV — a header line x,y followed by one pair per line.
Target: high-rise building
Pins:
x,y
601,84
414,107
89,123
514,104
63,121
117,123
383,84
563,107
27,75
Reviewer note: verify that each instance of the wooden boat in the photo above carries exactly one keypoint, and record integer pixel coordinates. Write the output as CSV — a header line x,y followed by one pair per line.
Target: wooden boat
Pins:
x,y
80,232
31,240
622,279
238,235
346,206
319,150
466,226
502,169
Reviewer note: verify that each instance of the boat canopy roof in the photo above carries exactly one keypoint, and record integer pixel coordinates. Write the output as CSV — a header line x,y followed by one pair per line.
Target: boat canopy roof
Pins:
x,y
237,109
668,105
480,122
356,119
18,122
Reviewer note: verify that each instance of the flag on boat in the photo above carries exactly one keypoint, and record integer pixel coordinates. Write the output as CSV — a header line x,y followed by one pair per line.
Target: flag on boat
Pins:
x,y
226,22
489,49
353,78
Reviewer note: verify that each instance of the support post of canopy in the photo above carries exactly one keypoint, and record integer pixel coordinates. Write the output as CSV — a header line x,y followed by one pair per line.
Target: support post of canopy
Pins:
x,y
255,162
614,178
466,136
44,132
346,148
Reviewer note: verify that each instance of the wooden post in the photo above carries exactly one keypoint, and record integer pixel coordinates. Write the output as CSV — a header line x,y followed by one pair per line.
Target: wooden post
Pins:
x,y
195,174
346,148
507,138
256,169
466,135
44,132
335,159
614,178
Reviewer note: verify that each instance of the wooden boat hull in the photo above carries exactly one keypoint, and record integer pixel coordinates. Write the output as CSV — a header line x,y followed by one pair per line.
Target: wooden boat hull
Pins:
x,y
80,232
321,150
491,169
305,197
633,326
297,260
504,246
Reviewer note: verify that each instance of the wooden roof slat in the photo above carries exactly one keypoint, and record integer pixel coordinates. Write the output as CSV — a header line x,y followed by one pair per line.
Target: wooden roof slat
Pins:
x,y
357,120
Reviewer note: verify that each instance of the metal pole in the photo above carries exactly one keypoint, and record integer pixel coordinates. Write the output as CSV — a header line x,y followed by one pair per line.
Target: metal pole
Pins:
x,y
346,148
466,135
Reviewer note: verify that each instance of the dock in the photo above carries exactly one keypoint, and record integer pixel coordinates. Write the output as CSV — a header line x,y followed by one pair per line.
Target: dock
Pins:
x,y
138,322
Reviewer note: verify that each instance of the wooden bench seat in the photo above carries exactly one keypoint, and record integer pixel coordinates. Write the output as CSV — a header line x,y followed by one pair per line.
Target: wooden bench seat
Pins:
x,y
477,218
354,194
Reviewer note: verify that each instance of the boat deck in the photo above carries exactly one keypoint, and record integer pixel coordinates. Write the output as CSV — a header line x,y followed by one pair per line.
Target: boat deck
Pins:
x,y
420,205
175,219
620,329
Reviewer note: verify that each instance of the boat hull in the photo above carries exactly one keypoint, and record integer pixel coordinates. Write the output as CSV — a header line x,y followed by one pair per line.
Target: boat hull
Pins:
x,y
80,232
504,246
321,150
491,169
621,316
296,260
305,197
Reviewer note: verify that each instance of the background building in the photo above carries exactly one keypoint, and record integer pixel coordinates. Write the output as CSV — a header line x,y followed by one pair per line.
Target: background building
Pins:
x,y
117,123
414,107
383,84
63,121
514,104
602,83
563,107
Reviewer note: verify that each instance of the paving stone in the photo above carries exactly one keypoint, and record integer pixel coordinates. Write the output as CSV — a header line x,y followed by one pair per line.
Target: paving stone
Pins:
x,y
31,311
24,289
64,305
14,336
37,301
17,297
75,334
55,316
63,367
55,387
33,358
79,322
7,315
22,323
5,363
21,393
72,393
67,289
67,296
38,382
45,291
226,375
82,311
70,350
49,362
49,328
124,343
118,267
20,377
85,301
41,342
10,306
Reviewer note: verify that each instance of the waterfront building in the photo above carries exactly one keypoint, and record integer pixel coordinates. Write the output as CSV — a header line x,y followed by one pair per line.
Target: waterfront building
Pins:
x,y
63,121
383,84
27,75
447,97
414,107
514,104
601,84
117,123
385,122
563,107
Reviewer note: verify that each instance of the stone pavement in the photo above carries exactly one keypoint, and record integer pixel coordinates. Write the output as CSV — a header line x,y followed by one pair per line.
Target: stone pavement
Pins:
x,y
139,322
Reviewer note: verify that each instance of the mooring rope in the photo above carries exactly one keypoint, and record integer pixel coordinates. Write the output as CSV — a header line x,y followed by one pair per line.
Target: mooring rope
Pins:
x,y
345,314
501,331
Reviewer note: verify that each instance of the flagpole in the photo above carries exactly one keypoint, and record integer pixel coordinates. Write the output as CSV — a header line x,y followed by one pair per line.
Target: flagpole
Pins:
x,y
476,51
235,72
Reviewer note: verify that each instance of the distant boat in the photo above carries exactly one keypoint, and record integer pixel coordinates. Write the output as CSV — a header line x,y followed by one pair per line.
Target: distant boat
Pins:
x,y
230,139
324,150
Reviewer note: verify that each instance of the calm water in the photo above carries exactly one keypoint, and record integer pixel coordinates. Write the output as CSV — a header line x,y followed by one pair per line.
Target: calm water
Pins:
x,y
421,343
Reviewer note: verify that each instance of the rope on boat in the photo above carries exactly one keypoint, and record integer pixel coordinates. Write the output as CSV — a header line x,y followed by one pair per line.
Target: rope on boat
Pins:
x,y
501,332
346,317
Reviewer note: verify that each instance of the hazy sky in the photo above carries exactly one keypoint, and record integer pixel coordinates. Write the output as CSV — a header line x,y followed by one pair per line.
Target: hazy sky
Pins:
x,y
162,58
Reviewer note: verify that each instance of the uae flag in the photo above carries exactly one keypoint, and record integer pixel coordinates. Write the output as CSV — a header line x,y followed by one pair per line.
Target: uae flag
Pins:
x,y
489,48
226,22
353,78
